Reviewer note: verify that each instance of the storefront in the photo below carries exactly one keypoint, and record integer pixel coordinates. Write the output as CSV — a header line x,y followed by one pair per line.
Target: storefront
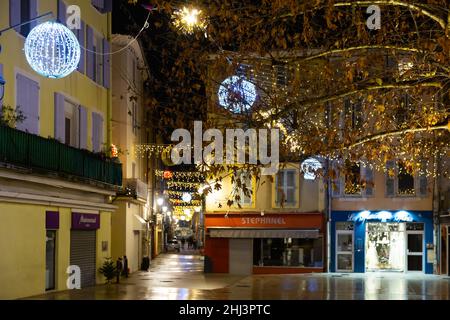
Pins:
x,y
241,243
83,243
373,241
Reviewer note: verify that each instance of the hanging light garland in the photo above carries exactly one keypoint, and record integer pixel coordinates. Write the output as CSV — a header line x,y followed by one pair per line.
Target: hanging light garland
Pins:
x,y
180,175
52,50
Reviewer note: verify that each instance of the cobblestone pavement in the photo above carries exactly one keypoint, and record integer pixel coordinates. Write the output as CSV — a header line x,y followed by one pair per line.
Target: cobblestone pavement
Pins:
x,y
181,277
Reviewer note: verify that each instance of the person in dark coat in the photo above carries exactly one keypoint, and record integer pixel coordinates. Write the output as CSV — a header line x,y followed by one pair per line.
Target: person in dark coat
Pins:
x,y
125,266
119,267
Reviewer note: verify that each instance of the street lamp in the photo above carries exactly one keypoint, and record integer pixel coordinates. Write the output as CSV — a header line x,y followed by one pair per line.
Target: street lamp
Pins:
x,y
164,209
160,201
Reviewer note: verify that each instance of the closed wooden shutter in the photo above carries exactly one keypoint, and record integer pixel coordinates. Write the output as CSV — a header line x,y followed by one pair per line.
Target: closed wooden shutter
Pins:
x,y
336,182
369,179
81,36
390,180
83,254
83,127
33,13
62,12
60,126
90,59
28,102
14,14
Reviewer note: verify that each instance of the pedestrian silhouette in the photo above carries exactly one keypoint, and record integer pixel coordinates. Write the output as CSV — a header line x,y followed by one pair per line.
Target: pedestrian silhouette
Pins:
x,y
119,267
125,266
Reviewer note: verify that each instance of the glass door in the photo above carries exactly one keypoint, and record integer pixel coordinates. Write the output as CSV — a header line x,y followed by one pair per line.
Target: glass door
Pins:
x,y
50,250
344,251
414,251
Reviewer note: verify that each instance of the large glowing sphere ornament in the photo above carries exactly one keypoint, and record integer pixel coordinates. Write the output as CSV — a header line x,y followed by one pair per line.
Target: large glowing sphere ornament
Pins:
x,y
309,167
52,50
237,94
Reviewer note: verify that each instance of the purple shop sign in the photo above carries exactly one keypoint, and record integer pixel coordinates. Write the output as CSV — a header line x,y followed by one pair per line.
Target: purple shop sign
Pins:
x,y
52,220
85,221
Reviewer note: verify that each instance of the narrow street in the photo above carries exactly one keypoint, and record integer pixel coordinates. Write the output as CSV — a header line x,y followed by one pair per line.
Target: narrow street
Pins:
x,y
181,277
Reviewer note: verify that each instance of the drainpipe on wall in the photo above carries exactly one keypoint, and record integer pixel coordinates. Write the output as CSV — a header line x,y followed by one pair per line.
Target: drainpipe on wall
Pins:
x,y
328,214
109,95
436,210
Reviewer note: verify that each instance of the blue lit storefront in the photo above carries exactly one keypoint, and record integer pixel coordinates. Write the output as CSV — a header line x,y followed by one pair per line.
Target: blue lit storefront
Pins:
x,y
381,240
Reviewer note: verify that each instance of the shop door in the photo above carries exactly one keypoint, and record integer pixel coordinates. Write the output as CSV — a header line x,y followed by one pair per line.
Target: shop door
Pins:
x,y
344,251
82,254
414,251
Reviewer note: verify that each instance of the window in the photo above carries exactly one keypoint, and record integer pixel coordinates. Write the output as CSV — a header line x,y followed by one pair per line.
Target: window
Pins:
x,y
243,183
400,182
405,181
288,252
352,179
286,187
71,121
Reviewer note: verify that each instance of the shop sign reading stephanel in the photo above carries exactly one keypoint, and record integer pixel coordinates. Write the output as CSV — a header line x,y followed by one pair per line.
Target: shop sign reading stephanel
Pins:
x,y
263,221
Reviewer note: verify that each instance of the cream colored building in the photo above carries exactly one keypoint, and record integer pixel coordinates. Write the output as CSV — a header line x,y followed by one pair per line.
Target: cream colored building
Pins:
x,y
55,187
130,227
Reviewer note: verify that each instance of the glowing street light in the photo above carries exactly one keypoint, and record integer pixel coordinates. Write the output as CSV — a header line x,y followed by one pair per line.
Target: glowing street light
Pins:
x,y
160,201
164,209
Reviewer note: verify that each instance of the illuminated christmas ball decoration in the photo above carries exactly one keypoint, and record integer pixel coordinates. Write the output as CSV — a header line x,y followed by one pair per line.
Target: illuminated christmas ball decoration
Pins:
x,y
237,94
187,197
167,175
52,50
189,20
309,168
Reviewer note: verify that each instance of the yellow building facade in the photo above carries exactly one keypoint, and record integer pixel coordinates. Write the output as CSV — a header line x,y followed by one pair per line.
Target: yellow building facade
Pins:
x,y
55,184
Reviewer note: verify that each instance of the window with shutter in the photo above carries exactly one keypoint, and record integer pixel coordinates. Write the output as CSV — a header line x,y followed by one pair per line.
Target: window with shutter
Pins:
x,y
405,181
28,10
286,187
60,118
81,36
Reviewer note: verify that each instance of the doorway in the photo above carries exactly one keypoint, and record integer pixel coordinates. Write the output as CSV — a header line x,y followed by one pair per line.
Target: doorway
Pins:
x,y
344,251
385,246
415,247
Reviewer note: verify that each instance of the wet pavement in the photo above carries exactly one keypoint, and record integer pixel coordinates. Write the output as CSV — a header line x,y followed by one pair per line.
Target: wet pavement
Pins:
x,y
181,277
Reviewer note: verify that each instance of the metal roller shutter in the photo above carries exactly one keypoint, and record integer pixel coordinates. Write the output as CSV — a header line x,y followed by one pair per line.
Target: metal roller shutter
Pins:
x,y
82,254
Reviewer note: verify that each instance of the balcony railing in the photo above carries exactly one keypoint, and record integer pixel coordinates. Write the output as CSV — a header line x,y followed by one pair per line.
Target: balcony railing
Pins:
x,y
50,156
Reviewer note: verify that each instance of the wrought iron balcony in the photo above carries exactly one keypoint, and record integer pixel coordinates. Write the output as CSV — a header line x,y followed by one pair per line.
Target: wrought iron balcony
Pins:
x,y
135,188
49,156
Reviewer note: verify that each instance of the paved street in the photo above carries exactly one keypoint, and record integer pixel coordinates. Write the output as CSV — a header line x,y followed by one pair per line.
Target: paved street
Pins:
x,y
180,277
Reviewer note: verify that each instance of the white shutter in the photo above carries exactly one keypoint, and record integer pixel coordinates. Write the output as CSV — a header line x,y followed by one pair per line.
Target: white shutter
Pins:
x,y
60,125
83,128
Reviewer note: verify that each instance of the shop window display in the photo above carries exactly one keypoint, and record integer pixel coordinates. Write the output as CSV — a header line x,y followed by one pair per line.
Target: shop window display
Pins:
x,y
288,252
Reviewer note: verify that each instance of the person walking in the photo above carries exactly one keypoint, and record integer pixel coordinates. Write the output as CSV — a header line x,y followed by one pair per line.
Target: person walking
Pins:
x,y
125,266
119,268
183,241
